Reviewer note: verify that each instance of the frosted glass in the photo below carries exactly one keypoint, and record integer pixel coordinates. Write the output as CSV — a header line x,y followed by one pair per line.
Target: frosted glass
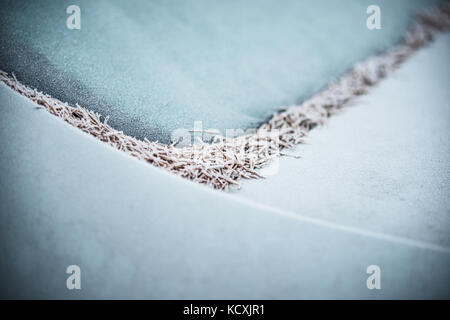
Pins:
x,y
155,66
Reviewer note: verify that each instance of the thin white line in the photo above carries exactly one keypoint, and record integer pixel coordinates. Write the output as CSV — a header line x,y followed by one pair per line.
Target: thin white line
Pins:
x,y
354,230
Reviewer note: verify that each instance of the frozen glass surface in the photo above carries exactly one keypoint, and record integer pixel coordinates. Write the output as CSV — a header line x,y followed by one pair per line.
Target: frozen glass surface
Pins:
x,y
155,66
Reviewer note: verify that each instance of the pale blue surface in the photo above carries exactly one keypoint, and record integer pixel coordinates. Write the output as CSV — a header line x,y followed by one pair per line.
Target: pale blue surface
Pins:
x,y
372,188
155,66
384,164
138,232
